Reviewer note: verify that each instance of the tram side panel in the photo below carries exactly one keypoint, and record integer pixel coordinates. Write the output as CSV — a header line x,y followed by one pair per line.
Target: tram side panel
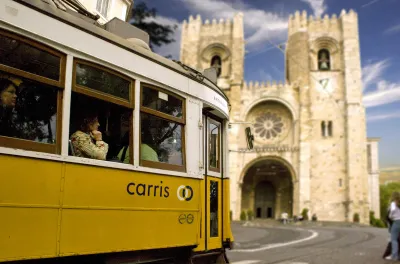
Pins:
x,y
228,236
29,207
109,210
51,209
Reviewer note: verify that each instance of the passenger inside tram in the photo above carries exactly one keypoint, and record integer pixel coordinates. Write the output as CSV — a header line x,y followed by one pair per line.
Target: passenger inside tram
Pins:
x,y
123,154
88,140
8,99
110,122
28,109
146,150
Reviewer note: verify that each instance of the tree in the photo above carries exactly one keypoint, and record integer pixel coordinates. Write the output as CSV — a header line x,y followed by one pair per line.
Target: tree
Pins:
x,y
385,194
144,18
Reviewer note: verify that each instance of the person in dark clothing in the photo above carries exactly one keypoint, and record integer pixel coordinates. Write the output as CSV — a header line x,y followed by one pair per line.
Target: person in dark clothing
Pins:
x,y
8,100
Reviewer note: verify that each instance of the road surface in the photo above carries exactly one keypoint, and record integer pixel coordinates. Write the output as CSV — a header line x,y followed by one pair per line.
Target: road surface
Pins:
x,y
308,245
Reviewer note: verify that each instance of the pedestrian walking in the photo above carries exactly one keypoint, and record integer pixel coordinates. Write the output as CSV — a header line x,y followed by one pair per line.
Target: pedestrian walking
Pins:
x,y
393,218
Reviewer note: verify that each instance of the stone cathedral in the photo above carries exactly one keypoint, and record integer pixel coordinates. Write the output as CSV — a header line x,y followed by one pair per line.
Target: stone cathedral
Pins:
x,y
310,149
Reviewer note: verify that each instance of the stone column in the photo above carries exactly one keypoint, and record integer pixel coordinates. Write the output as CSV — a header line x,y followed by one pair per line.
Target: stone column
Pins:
x,y
304,178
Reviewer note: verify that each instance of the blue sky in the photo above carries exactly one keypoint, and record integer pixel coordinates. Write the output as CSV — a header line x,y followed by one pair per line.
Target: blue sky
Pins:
x,y
266,20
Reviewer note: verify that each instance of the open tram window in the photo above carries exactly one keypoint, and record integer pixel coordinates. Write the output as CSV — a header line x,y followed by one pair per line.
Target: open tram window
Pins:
x,y
101,114
214,145
162,121
31,85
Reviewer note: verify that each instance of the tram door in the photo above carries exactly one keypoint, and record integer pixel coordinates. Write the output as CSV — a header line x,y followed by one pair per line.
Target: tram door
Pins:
x,y
213,176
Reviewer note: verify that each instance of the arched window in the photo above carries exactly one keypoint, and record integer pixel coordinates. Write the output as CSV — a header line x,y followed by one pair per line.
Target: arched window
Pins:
x,y
324,60
323,129
330,133
216,63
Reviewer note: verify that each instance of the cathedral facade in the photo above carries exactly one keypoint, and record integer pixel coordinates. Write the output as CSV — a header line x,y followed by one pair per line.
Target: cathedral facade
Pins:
x,y
310,149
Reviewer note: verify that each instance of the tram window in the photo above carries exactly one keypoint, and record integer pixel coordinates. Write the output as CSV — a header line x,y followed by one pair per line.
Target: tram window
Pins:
x,y
101,114
31,82
162,102
213,208
214,143
26,57
162,129
102,81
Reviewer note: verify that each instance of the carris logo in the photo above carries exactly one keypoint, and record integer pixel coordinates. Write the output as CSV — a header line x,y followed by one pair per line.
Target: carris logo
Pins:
x,y
184,193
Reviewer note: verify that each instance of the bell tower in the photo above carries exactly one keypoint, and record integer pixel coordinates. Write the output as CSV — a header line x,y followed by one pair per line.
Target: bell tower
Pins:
x,y
218,44
323,59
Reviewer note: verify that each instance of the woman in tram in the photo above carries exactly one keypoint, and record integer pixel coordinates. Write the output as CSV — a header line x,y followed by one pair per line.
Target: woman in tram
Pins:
x,y
88,142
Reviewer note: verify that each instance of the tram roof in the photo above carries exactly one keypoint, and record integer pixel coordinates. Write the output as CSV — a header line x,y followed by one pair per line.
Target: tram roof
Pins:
x,y
87,23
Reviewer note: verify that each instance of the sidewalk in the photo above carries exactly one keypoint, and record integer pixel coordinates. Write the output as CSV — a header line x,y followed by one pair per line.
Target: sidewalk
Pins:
x,y
276,223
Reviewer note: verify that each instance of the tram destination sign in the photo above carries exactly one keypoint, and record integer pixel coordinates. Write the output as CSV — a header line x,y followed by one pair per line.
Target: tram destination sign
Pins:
x,y
270,148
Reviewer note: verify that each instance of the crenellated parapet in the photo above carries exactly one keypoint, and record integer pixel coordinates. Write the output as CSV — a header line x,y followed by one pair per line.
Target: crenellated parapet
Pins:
x,y
201,40
217,27
301,22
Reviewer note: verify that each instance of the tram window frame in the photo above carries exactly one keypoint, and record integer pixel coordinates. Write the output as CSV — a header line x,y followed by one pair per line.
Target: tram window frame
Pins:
x,y
25,144
101,95
219,125
181,121
90,92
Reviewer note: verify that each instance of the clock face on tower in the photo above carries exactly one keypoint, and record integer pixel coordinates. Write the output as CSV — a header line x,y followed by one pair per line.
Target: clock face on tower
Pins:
x,y
325,85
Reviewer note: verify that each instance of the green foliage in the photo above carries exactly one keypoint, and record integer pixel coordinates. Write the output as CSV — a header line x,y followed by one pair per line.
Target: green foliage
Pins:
x,y
385,194
304,213
144,18
243,216
356,218
379,223
250,214
371,217
375,221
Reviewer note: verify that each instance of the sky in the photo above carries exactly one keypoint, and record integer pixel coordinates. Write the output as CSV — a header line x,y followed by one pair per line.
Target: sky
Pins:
x,y
265,22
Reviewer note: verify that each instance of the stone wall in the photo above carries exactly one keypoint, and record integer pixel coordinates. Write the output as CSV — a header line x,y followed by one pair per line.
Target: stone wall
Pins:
x,y
373,171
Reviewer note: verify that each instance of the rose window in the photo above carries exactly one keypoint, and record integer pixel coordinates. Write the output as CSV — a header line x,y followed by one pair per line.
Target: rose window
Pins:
x,y
268,125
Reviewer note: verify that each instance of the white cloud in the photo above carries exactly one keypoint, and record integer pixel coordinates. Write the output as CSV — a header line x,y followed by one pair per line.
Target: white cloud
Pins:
x,y
392,29
385,92
370,3
318,6
264,76
380,117
388,93
259,24
371,73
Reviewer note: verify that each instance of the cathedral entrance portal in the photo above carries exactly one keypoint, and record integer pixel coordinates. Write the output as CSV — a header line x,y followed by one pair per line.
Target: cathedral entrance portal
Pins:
x,y
264,200
267,189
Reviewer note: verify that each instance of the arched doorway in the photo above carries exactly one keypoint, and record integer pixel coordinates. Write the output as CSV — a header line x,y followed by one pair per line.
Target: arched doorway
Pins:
x,y
267,189
264,200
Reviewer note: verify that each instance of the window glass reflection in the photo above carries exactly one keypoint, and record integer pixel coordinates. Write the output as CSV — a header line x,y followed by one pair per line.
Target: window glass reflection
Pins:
x,y
213,208
102,81
28,109
161,140
20,55
162,102
214,145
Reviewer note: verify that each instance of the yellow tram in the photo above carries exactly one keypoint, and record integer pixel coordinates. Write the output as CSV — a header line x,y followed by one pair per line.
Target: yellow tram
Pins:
x,y
109,153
